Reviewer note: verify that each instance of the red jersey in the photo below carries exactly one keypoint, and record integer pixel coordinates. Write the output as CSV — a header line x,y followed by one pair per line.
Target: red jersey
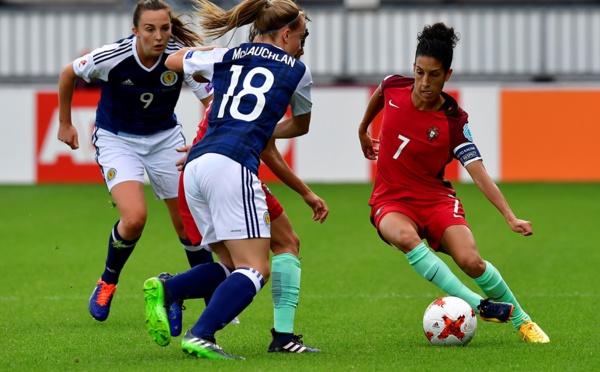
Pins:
x,y
203,126
415,146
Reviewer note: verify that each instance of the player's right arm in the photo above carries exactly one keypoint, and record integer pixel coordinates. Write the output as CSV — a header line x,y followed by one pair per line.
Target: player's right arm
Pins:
x,y
85,68
277,164
67,132
196,62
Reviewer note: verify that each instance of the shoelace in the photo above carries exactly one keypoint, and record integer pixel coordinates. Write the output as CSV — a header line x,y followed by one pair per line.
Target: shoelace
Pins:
x,y
106,292
531,331
483,304
181,305
298,339
531,328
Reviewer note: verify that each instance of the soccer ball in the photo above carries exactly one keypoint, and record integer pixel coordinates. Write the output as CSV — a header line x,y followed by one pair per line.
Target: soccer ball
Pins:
x,y
449,321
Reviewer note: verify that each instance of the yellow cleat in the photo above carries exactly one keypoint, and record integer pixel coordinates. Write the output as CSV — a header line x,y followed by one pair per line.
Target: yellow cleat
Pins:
x,y
531,332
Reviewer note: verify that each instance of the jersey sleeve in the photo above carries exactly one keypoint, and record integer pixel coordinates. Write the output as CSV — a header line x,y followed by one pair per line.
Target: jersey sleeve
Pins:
x,y
396,81
301,101
464,148
87,69
201,90
202,62
84,67
98,63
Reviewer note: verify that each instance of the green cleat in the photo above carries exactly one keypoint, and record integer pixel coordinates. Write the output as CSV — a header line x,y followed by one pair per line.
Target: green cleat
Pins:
x,y
157,320
202,348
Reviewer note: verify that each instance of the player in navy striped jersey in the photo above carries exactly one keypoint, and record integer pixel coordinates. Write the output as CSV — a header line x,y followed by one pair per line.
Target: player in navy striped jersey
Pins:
x,y
285,244
253,85
136,130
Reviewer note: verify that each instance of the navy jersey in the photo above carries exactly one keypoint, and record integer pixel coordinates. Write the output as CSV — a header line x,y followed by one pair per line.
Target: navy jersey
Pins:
x,y
135,99
253,85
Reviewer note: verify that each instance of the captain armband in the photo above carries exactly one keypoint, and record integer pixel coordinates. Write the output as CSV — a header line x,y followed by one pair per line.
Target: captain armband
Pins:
x,y
467,153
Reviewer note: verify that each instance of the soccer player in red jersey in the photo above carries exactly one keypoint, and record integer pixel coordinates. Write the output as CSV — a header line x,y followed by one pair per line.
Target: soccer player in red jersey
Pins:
x,y
422,130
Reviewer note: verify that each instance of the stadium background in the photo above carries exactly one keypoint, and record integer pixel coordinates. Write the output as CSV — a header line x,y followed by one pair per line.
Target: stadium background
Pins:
x,y
528,73
361,303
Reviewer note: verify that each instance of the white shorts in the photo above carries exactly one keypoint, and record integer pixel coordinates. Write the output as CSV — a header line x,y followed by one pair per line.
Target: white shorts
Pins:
x,y
124,157
226,200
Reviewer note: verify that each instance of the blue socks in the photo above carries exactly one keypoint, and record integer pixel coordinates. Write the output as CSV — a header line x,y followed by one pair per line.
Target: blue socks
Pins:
x,y
196,255
228,300
119,251
198,282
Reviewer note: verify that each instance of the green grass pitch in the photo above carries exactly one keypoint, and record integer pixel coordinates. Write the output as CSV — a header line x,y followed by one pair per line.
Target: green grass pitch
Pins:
x,y
360,301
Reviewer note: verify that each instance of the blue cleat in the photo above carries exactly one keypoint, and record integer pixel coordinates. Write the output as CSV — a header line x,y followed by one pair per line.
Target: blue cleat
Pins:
x,y
100,300
495,312
174,311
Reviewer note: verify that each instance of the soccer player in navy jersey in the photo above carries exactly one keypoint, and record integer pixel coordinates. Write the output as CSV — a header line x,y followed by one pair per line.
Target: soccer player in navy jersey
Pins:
x,y
253,85
135,130
285,244
423,129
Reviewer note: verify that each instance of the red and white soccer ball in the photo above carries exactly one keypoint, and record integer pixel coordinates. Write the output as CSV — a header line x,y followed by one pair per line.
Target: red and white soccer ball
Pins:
x,y
449,321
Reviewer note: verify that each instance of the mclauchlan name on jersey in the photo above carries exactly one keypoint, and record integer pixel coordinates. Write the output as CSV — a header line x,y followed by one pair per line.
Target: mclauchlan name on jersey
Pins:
x,y
263,52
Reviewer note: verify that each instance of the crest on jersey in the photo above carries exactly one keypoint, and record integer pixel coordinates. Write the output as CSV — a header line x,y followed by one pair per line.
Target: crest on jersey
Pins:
x,y
111,174
467,133
267,218
432,133
168,78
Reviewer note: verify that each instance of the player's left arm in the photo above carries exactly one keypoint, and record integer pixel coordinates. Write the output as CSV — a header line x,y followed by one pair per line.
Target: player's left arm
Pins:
x,y
292,127
277,164
301,106
491,191
368,144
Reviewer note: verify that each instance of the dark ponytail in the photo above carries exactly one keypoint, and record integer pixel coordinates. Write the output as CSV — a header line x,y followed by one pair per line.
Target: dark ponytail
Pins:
x,y
437,41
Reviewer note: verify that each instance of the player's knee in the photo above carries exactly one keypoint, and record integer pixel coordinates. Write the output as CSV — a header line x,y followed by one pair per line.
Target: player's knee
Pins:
x,y
133,224
265,272
179,229
296,245
291,245
405,240
263,267
473,265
